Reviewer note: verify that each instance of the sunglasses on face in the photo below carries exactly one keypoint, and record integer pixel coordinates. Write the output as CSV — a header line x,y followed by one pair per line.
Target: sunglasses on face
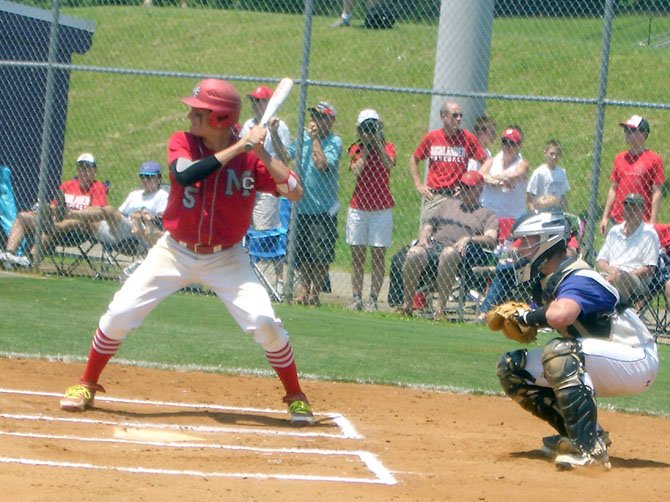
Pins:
x,y
457,115
85,164
629,130
148,177
507,142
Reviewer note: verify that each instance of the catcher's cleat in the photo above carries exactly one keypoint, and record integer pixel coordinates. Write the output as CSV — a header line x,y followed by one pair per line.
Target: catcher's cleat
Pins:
x,y
79,397
301,413
571,456
550,443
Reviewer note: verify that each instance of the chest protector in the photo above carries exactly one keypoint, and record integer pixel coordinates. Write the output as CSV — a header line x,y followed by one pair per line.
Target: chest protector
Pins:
x,y
597,324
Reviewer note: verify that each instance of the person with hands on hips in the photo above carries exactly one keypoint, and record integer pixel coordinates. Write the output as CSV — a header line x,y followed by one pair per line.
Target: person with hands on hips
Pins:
x,y
370,217
601,348
213,185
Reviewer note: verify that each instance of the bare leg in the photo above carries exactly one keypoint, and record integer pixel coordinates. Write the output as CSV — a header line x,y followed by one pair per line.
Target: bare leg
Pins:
x,y
24,223
357,272
378,270
415,262
446,275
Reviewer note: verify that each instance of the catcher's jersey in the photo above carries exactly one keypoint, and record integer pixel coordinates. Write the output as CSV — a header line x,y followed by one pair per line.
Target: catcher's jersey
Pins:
x,y
216,210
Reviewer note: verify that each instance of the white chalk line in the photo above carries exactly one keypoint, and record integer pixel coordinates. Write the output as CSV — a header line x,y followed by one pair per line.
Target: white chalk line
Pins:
x,y
369,459
390,480
383,475
347,428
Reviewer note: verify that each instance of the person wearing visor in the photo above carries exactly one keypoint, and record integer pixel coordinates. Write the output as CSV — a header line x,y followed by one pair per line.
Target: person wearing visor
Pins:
x,y
370,216
600,348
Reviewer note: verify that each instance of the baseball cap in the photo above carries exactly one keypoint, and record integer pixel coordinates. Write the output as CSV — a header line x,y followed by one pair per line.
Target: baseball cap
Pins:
x,y
636,122
150,168
261,92
86,158
512,135
367,114
634,199
472,179
324,108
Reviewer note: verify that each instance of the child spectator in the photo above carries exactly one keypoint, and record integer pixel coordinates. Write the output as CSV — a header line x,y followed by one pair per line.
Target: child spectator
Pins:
x,y
549,178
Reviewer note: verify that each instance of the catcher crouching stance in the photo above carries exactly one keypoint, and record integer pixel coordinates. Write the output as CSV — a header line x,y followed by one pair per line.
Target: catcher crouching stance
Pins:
x,y
213,186
602,349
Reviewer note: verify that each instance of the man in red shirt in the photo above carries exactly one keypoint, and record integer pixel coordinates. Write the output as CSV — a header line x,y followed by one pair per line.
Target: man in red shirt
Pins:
x,y
636,170
448,151
79,204
214,178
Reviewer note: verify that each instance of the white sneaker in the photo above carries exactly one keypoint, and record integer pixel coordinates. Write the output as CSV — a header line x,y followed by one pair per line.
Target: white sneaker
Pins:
x,y
16,261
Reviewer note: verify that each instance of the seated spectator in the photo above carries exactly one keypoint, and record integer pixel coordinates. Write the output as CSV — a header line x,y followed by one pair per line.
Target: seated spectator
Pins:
x,y
78,206
505,177
139,216
460,228
504,283
629,255
549,178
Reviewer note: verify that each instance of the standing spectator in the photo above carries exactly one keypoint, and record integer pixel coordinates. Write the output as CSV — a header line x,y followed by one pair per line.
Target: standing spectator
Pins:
x,y
485,130
79,205
448,150
506,177
317,211
636,170
266,207
629,256
347,8
457,231
370,217
213,180
549,178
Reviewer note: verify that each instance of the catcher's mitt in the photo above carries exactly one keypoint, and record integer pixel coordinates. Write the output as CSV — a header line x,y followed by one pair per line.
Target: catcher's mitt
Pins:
x,y
502,318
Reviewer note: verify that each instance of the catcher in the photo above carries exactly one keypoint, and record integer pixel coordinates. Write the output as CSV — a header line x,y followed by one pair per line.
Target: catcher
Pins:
x,y
602,348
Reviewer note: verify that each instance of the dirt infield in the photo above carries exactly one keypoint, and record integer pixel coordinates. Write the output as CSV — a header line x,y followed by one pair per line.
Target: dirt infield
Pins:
x,y
197,436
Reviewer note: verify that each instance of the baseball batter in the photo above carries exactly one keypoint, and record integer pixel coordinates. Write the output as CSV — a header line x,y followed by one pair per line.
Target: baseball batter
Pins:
x,y
213,187
602,348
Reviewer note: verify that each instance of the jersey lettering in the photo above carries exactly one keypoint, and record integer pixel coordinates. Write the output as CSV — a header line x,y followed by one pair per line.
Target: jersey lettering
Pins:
x,y
189,199
243,184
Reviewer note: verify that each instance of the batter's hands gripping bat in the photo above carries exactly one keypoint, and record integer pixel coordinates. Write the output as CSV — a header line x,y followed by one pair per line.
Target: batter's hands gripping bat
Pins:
x,y
278,97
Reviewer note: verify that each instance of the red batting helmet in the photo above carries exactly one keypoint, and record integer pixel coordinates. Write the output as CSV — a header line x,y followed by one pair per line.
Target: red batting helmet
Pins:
x,y
220,97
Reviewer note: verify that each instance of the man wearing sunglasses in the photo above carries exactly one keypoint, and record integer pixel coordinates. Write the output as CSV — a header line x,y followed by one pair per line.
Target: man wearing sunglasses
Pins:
x,y
448,151
636,170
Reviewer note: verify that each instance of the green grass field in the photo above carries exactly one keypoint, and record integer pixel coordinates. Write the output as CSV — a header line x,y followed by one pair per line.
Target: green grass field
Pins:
x,y
126,119
55,317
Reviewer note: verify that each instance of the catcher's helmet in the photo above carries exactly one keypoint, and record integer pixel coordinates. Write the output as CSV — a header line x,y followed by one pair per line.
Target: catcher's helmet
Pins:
x,y
220,97
553,231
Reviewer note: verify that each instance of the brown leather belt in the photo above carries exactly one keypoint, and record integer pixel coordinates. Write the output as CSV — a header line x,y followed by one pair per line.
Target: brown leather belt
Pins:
x,y
202,248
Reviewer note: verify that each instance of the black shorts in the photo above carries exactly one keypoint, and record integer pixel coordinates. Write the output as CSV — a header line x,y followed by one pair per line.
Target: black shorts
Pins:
x,y
315,238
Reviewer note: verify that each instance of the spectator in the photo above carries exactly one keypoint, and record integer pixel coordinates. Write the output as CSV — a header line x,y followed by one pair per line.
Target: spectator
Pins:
x,y
637,170
506,178
549,178
79,205
266,208
459,229
316,231
140,215
448,150
370,217
347,8
629,255
485,130
503,285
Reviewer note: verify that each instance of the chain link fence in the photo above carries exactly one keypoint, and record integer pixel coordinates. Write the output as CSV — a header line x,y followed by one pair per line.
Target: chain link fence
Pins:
x,y
105,77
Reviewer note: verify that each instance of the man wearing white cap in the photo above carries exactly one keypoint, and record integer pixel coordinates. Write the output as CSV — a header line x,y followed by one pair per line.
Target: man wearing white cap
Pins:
x,y
636,170
79,204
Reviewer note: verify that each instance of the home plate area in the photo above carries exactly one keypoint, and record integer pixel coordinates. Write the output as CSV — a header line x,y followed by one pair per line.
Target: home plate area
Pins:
x,y
162,438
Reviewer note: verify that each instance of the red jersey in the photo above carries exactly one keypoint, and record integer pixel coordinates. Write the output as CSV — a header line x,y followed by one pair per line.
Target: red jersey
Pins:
x,y
372,191
75,199
216,210
635,173
448,156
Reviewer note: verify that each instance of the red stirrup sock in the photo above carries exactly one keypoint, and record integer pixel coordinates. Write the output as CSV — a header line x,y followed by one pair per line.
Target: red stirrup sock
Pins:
x,y
102,350
284,365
